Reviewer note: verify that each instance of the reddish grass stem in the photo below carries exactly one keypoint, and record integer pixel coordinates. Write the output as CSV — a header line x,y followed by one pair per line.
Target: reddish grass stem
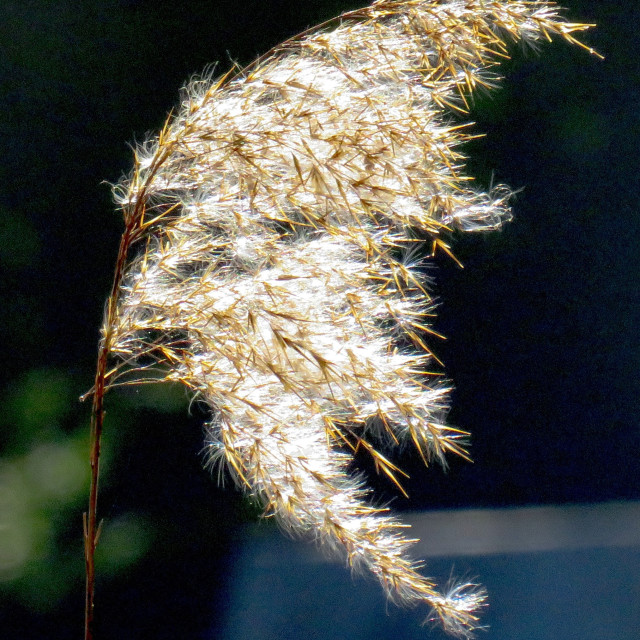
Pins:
x,y
90,522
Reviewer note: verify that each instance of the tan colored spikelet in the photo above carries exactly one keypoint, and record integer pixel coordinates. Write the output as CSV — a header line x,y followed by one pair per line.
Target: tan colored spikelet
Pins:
x,y
267,263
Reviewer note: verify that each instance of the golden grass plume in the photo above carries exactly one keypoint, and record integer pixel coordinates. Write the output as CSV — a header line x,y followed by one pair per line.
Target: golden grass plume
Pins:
x,y
267,264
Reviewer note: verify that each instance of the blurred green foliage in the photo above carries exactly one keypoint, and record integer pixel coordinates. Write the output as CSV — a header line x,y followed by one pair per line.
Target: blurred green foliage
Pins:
x,y
19,241
44,482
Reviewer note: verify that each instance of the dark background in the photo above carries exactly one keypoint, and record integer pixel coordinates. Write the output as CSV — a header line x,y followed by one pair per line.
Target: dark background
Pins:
x,y
541,323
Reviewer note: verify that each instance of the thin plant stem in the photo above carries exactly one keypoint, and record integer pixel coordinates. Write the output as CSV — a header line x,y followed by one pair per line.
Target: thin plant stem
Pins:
x,y
135,227
91,526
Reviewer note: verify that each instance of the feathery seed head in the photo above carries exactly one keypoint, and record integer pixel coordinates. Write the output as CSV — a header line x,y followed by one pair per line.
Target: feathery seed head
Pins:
x,y
274,219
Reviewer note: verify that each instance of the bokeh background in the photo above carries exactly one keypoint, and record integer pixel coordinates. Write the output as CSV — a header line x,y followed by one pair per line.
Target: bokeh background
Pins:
x,y
542,327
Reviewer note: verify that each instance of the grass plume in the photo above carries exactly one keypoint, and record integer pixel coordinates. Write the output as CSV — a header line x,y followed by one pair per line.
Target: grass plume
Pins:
x,y
267,264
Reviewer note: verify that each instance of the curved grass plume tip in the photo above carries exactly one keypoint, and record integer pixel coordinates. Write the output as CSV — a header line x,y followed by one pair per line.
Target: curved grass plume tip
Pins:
x,y
268,264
